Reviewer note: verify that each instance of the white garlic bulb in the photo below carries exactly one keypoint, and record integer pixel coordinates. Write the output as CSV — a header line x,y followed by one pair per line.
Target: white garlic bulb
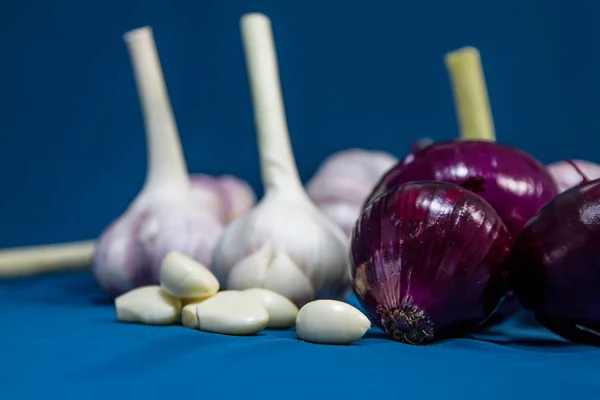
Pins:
x,y
228,195
344,181
165,216
571,173
285,244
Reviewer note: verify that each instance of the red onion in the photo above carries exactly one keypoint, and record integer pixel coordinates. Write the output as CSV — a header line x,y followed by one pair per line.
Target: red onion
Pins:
x,y
512,181
426,261
554,264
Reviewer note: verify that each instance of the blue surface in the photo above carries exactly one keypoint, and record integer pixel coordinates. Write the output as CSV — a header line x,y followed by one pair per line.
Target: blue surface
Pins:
x,y
59,337
72,156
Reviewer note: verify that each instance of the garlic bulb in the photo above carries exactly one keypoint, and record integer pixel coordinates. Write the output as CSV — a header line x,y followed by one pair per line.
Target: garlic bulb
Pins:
x,y
344,181
164,217
285,244
228,195
235,198
569,173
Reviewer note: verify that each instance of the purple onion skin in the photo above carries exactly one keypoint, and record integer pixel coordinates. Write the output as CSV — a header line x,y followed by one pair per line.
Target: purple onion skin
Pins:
x,y
427,261
555,264
514,183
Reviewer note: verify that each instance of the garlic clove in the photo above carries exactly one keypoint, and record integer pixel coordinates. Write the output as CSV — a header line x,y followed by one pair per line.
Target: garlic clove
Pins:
x,y
232,313
148,305
286,276
331,322
189,316
273,270
282,312
185,278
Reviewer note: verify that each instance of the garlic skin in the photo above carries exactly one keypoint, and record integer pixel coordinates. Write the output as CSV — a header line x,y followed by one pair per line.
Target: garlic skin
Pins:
x,y
284,244
228,195
164,216
130,251
207,195
343,182
566,175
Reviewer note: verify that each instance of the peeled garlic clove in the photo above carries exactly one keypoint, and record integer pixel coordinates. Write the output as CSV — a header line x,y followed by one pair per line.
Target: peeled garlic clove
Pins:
x,y
232,313
184,277
331,322
282,312
189,316
148,305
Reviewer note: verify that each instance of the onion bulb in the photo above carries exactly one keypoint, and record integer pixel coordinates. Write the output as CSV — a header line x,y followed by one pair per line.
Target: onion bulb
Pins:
x,y
554,264
427,261
512,181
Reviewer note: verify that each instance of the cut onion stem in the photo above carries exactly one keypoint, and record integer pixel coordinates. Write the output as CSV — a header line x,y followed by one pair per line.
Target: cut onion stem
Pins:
x,y
277,162
22,261
167,169
470,94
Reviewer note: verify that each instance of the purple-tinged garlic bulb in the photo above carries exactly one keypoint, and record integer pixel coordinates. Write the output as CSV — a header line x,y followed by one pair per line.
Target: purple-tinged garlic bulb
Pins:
x,y
284,244
344,181
569,173
165,216
229,196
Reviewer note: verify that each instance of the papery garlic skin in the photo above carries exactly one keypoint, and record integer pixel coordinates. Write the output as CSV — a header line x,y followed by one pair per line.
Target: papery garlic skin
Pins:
x,y
566,176
240,197
285,245
344,181
130,251
229,196
207,194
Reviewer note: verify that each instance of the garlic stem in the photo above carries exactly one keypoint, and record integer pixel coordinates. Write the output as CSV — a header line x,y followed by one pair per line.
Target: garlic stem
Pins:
x,y
167,169
22,261
470,94
278,166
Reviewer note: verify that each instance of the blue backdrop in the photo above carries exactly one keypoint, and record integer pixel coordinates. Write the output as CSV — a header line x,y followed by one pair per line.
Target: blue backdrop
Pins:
x,y
72,151
355,74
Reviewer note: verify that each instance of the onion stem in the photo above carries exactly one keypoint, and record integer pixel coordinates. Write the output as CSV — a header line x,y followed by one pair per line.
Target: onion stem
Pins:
x,y
470,94
167,169
277,163
22,261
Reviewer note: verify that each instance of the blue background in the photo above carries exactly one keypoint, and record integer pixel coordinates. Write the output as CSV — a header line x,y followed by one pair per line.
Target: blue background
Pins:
x,y
354,74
